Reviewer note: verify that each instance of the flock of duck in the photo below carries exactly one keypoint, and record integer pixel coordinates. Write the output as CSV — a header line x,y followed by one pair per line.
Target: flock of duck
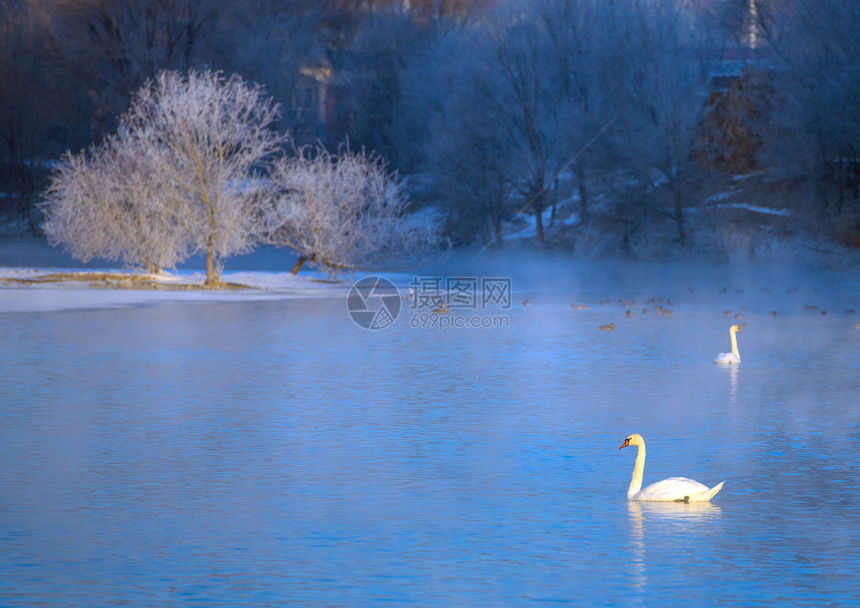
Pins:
x,y
657,305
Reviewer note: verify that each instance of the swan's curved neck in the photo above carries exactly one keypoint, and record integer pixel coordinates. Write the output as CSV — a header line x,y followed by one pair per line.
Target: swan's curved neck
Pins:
x,y
734,336
638,471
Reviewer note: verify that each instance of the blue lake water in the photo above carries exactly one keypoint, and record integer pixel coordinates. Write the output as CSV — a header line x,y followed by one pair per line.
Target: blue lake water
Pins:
x,y
275,454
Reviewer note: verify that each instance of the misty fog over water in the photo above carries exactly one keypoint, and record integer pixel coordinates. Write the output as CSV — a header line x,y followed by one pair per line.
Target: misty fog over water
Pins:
x,y
250,453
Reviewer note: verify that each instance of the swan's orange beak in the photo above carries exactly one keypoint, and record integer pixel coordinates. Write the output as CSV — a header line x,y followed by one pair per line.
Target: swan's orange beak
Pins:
x,y
625,444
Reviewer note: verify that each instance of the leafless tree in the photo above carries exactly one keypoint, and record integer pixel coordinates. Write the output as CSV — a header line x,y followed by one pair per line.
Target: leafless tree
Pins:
x,y
513,99
471,168
449,128
527,105
576,33
280,43
207,137
340,211
814,132
74,215
657,83
36,101
181,176
117,45
373,69
102,203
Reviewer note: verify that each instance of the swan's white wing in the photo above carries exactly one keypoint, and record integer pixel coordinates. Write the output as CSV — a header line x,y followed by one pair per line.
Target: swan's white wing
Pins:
x,y
674,488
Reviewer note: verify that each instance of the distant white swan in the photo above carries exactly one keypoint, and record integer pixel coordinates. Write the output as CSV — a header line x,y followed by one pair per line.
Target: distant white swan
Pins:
x,y
733,357
674,489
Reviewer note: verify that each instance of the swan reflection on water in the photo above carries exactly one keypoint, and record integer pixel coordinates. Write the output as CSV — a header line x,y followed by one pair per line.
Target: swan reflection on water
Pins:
x,y
672,517
678,513
733,372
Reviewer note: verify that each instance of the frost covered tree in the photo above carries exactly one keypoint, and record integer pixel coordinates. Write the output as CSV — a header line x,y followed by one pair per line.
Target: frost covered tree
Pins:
x,y
102,203
340,211
180,176
206,138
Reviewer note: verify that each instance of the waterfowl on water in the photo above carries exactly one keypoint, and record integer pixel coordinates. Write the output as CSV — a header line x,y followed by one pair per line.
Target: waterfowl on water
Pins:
x,y
733,357
673,489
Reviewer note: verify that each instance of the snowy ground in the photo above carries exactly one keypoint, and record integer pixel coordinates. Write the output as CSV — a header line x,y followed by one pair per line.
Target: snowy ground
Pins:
x,y
25,262
19,294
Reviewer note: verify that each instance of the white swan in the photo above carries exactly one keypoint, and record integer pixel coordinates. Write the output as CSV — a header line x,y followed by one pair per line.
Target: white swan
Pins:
x,y
733,357
674,489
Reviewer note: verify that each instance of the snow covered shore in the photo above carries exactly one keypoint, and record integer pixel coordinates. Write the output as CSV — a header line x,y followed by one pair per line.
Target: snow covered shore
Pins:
x,y
55,289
